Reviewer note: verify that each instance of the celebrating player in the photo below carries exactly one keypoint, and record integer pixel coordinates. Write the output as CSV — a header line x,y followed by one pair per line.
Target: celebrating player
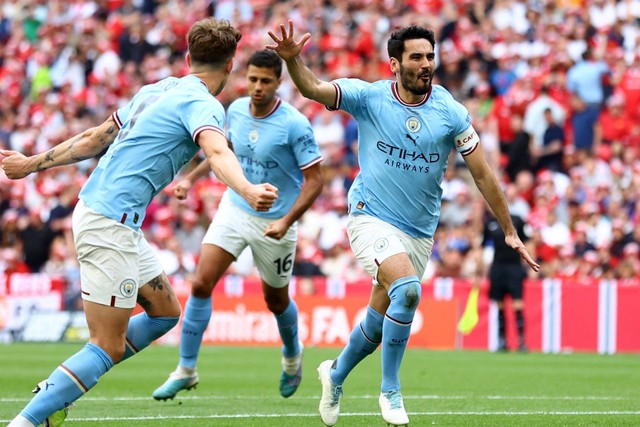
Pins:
x,y
407,128
148,141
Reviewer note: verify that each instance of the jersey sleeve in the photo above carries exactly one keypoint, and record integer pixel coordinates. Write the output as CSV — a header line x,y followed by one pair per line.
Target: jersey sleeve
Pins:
x,y
120,115
303,143
203,113
466,138
350,95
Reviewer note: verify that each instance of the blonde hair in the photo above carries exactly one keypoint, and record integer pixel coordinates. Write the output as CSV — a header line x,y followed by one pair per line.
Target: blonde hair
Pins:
x,y
212,42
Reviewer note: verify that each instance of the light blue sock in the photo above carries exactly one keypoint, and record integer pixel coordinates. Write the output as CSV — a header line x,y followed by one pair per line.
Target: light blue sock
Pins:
x,y
405,295
288,327
73,378
365,338
197,314
143,330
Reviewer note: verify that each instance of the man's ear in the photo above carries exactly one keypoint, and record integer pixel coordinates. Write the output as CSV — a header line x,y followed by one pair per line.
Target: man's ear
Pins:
x,y
229,66
188,59
394,65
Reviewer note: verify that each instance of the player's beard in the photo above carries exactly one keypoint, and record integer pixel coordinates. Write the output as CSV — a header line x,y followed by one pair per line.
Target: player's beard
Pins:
x,y
413,82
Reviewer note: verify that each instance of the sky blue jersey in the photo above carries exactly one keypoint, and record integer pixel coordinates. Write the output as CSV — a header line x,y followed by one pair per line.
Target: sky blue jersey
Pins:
x,y
403,151
274,148
158,130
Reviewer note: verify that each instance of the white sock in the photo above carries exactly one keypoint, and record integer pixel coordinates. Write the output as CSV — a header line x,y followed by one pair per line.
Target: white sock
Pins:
x,y
20,421
187,372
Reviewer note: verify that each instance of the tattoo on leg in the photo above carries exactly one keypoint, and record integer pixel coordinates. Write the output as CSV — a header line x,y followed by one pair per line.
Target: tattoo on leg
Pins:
x,y
161,283
144,303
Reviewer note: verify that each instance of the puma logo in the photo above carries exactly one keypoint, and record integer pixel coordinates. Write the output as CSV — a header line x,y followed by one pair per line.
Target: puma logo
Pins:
x,y
412,139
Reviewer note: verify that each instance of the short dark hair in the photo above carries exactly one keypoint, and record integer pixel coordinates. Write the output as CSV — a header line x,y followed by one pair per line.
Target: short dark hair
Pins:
x,y
267,59
395,45
212,42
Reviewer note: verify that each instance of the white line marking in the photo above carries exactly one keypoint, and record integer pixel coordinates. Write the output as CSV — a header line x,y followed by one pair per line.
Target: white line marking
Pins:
x,y
363,396
349,414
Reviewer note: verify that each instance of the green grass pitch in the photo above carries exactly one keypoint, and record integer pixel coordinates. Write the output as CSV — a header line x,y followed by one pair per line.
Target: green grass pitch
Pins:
x,y
239,387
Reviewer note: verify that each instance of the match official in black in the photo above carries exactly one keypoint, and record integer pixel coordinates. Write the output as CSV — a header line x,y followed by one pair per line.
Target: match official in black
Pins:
x,y
506,277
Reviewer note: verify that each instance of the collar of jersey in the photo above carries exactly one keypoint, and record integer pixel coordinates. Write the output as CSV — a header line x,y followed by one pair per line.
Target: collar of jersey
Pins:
x,y
394,90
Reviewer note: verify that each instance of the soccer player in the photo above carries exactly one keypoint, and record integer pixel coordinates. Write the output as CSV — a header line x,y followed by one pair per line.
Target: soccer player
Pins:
x,y
148,141
407,128
274,143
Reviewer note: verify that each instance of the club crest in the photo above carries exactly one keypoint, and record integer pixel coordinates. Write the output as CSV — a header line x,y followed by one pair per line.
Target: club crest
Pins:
x,y
381,244
413,124
253,136
127,288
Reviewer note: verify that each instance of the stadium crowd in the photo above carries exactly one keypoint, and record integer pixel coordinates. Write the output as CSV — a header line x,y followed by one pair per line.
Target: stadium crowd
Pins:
x,y
553,88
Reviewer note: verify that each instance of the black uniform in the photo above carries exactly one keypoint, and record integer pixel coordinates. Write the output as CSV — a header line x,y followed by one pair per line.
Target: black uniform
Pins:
x,y
507,273
506,277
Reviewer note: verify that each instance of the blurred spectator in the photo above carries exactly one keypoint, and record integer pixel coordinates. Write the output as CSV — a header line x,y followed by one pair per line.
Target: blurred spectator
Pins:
x,y
536,121
9,231
329,133
36,237
10,262
586,82
190,233
612,126
519,159
549,155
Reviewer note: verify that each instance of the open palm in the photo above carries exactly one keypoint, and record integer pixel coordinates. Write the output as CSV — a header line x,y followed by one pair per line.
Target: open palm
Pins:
x,y
286,47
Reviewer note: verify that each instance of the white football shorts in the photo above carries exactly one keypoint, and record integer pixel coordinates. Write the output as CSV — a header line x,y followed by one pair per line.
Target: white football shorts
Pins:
x,y
373,241
233,229
115,260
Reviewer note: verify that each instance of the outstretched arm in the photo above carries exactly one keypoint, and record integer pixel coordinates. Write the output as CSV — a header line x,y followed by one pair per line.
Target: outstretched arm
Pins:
x,y
83,146
488,185
226,167
307,83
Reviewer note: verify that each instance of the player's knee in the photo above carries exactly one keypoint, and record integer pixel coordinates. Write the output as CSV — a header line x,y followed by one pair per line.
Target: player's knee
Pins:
x,y
201,288
276,303
406,296
173,310
412,293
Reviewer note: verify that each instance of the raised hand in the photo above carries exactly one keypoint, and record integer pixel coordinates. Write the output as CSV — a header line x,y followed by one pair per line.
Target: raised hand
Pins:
x,y
261,197
14,164
286,47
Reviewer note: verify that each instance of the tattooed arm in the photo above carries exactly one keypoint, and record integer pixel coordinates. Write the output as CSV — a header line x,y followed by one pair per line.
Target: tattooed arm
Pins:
x,y
83,146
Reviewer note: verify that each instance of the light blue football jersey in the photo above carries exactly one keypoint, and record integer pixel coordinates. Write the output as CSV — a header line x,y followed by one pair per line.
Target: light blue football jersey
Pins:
x,y
275,148
156,138
403,151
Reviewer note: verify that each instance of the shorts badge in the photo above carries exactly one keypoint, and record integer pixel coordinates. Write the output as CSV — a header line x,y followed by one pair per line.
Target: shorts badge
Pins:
x,y
127,288
380,245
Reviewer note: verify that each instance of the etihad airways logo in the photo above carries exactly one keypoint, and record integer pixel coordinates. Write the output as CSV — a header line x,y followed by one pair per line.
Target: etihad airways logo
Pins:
x,y
408,155
251,162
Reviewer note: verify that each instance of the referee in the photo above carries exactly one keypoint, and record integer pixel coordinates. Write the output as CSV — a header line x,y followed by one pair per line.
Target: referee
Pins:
x,y
506,277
